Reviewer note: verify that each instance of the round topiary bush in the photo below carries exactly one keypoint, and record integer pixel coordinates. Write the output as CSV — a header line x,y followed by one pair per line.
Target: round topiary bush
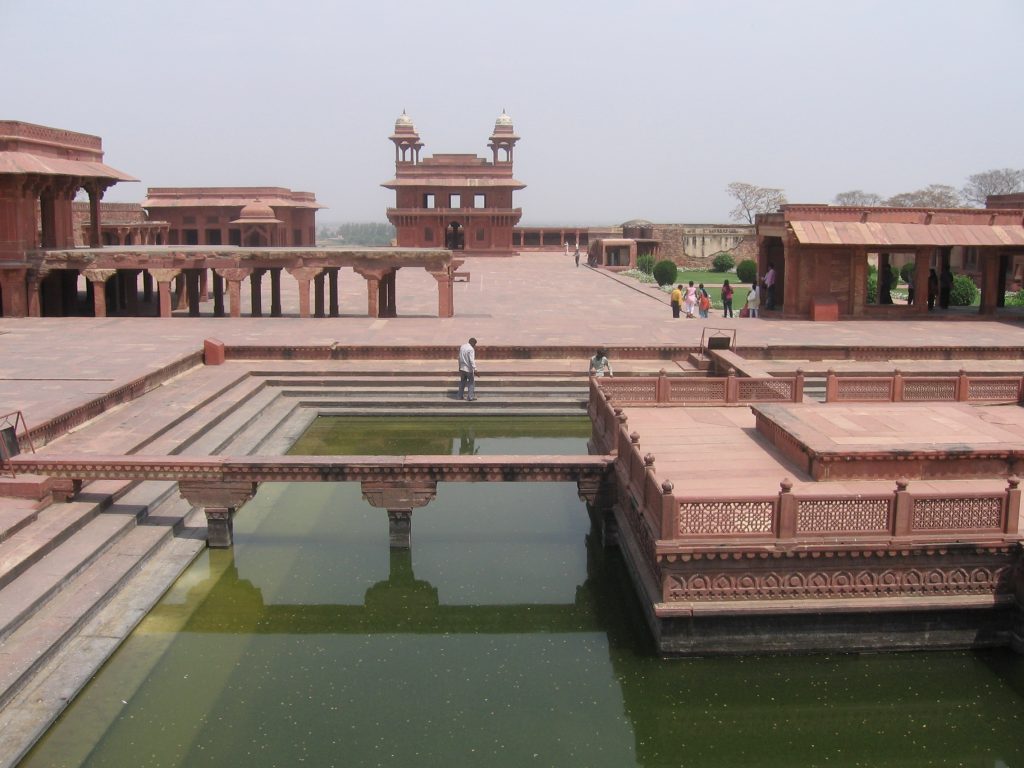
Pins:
x,y
645,263
907,271
722,262
665,272
963,292
746,271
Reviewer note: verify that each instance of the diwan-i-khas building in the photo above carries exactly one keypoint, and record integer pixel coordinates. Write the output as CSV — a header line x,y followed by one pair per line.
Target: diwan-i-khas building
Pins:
x,y
457,201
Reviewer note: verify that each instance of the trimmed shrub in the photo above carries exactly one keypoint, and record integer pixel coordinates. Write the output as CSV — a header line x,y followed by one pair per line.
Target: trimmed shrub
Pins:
x,y
665,272
746,271
963,291
907,271
872,287
645,263
722,262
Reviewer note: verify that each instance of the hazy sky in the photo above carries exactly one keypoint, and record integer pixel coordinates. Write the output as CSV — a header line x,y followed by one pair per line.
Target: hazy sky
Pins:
x,y
625,109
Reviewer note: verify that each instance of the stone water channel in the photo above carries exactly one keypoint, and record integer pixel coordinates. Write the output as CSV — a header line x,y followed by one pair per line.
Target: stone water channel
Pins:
x,y
506,637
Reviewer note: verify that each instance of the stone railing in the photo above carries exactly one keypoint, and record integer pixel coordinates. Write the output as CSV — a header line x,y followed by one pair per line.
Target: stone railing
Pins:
x,y
699,390
902,513
899,388
664,522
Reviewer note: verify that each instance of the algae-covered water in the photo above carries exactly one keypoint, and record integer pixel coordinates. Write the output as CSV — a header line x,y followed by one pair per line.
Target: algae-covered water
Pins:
x,y
506,637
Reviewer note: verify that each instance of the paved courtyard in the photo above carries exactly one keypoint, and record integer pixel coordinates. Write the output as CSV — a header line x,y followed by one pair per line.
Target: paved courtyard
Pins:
x,y
48,365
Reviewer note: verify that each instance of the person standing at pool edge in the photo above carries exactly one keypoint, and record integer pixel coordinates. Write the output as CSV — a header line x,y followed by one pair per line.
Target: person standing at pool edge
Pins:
x,y
467,370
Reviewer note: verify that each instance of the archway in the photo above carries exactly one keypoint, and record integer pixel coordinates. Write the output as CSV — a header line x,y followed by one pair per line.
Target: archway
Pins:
x,y
454,237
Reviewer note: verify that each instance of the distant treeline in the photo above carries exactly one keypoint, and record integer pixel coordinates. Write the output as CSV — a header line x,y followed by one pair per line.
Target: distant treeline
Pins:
x,y
358,233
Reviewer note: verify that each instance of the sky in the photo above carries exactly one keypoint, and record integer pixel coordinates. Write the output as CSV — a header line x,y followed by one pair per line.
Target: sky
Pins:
x,y
641,109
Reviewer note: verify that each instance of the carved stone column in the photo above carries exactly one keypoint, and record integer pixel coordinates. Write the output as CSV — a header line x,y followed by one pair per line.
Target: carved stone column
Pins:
x,y
234,276
445,293
164,278
304,275
275,292
373,278
399,498
99,292
220,500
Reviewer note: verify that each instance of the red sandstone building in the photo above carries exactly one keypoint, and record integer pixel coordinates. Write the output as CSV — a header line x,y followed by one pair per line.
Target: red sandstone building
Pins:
x,y
249,216
460,202
41,171
821,254
193,238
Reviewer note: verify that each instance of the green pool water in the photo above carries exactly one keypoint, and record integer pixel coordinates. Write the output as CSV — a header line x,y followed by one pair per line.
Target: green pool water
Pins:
x,y
506,637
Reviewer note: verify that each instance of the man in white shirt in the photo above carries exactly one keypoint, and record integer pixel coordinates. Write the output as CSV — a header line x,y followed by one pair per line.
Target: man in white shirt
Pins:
x,y
467,370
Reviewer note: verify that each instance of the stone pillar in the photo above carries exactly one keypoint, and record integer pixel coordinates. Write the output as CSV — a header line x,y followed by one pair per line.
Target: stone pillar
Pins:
x,y
164,278
400,528
234,276
95,195
32,284
220,499
12,284
275,292
304,275
922,262
99,278
218,294
786,510
318,294
373,278
598,492
192,286
399,498
332,292
256,292
990,261
445,293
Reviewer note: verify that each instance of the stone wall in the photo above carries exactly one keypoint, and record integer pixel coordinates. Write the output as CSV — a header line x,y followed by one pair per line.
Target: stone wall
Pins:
x,y
695,245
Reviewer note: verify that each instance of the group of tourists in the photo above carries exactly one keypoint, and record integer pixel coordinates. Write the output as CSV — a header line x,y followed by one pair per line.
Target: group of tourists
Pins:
x,y
697,299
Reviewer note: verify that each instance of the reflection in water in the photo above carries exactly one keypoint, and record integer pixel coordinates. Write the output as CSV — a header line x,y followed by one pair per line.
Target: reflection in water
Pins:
x,y
506,637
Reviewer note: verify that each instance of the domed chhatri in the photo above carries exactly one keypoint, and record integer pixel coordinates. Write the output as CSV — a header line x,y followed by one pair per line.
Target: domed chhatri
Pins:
x,y
403,121
256,212
503,120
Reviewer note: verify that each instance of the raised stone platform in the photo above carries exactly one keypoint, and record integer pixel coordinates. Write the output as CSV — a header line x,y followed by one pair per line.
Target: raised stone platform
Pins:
x,y
874,441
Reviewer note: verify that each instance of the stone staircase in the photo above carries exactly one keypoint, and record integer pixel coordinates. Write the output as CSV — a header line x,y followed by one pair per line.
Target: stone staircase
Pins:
x,y
69,572
814,388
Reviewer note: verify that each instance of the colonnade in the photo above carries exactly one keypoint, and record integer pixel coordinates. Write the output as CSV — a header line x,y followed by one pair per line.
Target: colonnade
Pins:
x,y
183,277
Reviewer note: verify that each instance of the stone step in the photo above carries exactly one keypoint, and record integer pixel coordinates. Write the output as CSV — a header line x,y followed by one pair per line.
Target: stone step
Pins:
x,y
460,407
133,426
55,525
50,572
45,690
15,515
434,396
40,635
383,382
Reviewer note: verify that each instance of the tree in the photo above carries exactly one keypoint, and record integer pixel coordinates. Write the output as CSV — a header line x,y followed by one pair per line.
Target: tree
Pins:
x,y
932,196
998,181
857,198
752,200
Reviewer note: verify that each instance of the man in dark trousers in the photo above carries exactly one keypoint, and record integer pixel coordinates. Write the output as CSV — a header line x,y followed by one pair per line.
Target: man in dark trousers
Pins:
x,y
467,370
